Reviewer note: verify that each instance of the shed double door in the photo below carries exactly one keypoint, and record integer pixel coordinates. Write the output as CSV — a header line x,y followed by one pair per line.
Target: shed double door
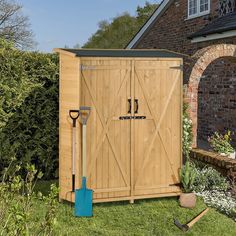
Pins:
x,y
134,131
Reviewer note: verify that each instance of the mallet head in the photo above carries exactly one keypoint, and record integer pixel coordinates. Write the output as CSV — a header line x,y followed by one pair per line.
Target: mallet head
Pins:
x,y
180,226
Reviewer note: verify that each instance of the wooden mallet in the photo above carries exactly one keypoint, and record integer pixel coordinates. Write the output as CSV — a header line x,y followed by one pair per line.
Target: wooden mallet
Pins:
x,y
186,227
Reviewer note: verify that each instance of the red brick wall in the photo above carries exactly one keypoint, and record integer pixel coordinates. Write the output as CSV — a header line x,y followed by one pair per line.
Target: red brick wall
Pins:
x,y
217,98
170,32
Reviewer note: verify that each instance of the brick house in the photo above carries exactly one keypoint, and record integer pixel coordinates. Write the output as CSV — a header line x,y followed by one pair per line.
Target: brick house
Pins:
x,y
205,32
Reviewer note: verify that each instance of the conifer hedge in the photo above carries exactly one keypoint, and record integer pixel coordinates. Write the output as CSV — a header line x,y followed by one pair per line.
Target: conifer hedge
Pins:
x,y
29,108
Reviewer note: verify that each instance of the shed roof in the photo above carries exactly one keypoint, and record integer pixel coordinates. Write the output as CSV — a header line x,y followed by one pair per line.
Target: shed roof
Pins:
x,y
120,53
219,25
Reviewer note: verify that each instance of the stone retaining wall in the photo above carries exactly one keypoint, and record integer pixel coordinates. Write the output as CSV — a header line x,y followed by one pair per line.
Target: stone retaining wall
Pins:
x,y
224,165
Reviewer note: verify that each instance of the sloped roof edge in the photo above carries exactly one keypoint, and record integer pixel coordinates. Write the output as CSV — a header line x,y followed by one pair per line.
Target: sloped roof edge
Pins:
x,y
162,7
118,53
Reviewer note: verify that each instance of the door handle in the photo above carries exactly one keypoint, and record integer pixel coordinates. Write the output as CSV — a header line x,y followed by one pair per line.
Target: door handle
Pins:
x,y
136,106
130,105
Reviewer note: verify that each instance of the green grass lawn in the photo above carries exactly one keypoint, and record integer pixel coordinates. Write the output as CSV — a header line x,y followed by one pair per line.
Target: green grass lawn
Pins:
x,y
144,217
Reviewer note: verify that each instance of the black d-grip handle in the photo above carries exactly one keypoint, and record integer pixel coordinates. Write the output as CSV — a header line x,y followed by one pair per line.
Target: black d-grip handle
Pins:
x,y
136,106
74,115
130,105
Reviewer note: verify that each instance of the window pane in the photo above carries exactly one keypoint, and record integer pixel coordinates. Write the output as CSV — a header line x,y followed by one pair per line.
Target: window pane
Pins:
x,y
204,6
192,7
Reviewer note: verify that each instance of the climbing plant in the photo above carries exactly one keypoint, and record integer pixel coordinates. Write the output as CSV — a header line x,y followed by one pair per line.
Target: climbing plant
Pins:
x,y
187,131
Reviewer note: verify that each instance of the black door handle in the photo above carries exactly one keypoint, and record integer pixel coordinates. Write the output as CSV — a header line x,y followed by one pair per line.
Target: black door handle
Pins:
x,y
136,106
130,105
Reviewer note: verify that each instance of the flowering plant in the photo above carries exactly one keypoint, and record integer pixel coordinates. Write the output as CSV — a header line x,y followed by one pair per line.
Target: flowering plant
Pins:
x,y
187,131
221,143
222,201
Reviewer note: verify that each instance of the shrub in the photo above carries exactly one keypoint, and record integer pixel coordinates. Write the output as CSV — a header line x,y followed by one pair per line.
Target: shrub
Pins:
x,y
212,187
29,109
17,199
208,179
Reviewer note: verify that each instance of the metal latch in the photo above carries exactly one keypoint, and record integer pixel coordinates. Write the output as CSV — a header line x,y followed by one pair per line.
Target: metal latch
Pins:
x,y
181,67
132,117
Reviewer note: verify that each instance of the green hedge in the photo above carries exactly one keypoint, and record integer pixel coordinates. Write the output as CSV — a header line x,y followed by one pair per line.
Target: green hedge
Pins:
x,y
29,108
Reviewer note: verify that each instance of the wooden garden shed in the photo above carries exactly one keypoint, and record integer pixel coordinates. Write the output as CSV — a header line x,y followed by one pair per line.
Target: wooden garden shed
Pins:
x,y
134,135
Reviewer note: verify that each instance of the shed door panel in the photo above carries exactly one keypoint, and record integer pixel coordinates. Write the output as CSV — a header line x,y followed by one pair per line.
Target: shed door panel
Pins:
x,y
106,88
158,137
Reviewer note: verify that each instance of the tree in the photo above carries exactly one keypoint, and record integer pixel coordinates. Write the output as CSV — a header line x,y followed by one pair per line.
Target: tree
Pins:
x,y
143,13
14,26
119,32
113,35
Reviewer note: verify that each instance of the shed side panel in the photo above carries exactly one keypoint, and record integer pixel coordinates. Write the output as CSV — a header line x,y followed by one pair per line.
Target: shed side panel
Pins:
x,y
69,99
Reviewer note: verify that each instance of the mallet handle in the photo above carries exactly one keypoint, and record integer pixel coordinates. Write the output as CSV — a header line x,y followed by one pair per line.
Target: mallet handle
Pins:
x,y
197,218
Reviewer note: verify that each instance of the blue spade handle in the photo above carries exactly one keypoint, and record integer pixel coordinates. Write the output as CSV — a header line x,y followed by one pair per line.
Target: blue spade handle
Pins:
x,y
84,182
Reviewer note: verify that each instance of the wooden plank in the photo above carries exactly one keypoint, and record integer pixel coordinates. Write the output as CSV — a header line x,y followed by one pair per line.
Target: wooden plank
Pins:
x,y
160,195
70,197
132,131
150,191
111,190
105,67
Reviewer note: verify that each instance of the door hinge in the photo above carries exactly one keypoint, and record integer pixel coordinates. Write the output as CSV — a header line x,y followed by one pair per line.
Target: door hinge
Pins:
x,y
87,67
175,184
181,67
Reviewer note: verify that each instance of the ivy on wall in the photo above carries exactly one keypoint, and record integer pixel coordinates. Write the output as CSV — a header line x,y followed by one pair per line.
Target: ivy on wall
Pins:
x,y
29,108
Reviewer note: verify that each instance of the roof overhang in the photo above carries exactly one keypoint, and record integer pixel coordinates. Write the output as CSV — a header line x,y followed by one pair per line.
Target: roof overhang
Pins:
x,y
159,11
63,51
118,53
215,36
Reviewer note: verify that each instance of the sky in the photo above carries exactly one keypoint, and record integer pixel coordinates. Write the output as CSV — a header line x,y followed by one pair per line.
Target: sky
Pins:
x,y
57,23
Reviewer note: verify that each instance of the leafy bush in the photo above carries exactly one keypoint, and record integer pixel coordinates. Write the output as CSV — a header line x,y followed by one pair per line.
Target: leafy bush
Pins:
x,y
17,199
29,108
187,177
208,179
221,143
213,188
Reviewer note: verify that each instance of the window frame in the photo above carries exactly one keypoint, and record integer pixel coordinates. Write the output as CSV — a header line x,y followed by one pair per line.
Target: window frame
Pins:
x,y
198,10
